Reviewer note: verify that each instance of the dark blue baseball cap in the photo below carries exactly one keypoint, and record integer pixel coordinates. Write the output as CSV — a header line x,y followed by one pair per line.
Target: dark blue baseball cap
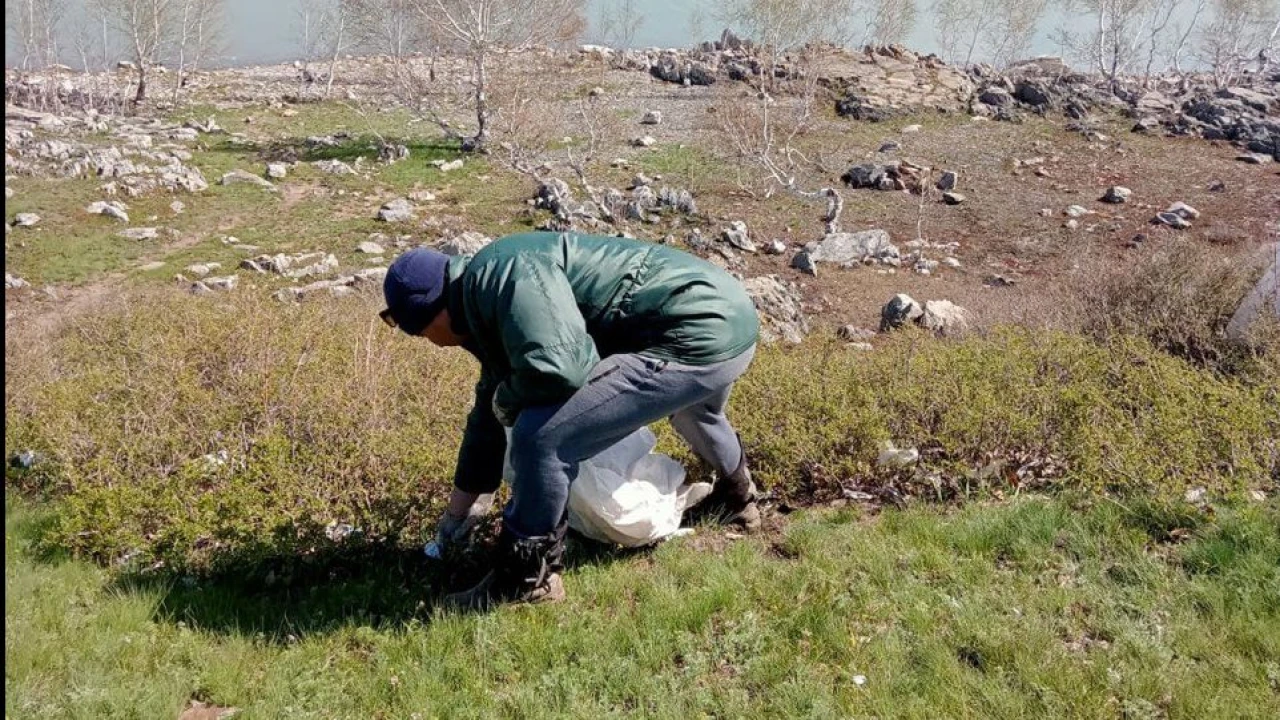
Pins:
x,y
414,289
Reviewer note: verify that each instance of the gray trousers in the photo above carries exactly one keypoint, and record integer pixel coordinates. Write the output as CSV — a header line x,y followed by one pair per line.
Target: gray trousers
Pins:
x,y
623,394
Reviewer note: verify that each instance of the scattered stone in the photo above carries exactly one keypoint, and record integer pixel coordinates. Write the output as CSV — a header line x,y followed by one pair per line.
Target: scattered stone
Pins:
x,y
1184,211
370,248
1254,158
911,129
177,207
26,220
1077,211
1217,186
644,142
951,263
652,117
151,266
678,199
596,92
853,333
889,146
244,177
333,167
24,460
110,208
13,282
142,233
277,171
775,247
803,261
1117,195
1071,224
394,211
899,311
948,180
780,308
391,154
641,180
451,165
848,249
468,243
953,198
215,284
201,270
944,318
999,281
736,235
867,175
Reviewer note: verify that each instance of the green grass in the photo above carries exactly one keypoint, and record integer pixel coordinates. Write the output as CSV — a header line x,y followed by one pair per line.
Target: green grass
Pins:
x,y
1036,608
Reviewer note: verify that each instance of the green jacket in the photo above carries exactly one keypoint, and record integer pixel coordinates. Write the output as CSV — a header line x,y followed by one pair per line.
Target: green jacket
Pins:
x,y
541,309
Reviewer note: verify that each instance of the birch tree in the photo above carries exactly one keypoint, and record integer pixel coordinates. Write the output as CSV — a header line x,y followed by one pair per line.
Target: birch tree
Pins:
x,y
480,30
34,27
999,31
145,26
198,28
1240,33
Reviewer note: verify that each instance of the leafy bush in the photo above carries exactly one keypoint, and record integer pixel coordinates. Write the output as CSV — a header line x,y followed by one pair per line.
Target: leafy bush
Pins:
x,y
201,432
1181,297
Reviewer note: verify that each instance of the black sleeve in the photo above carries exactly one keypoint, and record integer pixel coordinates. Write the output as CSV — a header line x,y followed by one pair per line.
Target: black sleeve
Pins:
x,y
484,444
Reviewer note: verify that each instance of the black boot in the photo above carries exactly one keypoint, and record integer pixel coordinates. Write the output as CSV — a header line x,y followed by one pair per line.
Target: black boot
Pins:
x,y
733,499
527,571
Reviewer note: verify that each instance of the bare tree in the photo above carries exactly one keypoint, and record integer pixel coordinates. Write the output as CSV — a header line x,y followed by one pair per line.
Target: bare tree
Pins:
x,y
888,21
389,27
145,25
782,26
1121,31
768,133
1241,32
996,30
1182,35
480,29
197,29
620,20
326,30
34,27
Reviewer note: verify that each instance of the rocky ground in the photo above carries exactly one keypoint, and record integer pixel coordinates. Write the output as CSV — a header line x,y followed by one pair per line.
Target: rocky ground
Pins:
x,y
987,197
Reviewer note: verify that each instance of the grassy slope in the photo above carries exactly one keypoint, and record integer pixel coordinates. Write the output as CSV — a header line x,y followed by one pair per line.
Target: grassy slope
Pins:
x,y
1036,608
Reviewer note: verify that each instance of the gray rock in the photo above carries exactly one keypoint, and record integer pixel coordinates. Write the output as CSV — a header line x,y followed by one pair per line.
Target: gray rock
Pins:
x,y
848,249
853,333
468,243
948,180
325,266
391,154
177,207
944,318
775,247
868,175
227,282
1173,220
1184,211
1077,211
995,97
398,210
201,270
26,220
803,262
451,165
1254,158
370,276
142,233
652,117
110,208
899,311
333,167
1117,195
678,199
244,177
25,460
736,235
889,146
780,308
370,248
277,171
151,266
13,282
644,142
953,198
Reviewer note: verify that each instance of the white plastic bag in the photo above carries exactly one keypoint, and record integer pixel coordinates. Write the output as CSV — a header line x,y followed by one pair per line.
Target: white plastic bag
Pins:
x,y
628,494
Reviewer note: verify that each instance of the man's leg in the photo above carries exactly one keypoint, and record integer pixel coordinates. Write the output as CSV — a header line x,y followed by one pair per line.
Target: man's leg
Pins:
x,y
623,394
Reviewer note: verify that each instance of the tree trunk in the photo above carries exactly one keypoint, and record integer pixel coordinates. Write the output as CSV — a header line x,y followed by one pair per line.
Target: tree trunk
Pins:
x,y
141,95
482,99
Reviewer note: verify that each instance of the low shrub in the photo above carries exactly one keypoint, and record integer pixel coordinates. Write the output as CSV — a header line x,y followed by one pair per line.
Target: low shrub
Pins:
x,y
197,432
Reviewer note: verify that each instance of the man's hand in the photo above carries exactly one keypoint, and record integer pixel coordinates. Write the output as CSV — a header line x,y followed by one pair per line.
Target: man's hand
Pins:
x,y
465,511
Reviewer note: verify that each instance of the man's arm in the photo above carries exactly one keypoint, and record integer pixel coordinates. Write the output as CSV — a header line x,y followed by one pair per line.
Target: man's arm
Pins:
x,y
545,339
484,444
